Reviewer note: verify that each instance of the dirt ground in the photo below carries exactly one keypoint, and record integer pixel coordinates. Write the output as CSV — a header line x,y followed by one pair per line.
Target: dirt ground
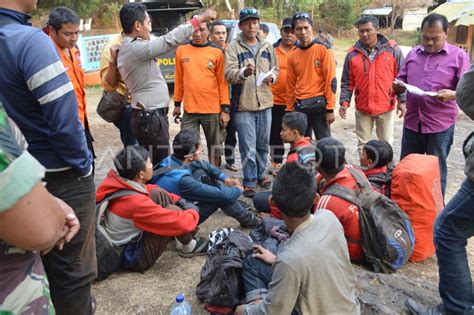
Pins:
x,y
154,291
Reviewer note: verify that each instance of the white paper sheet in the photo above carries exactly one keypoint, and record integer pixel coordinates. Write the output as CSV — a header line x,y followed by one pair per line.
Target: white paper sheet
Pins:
x,y
416,90
264,75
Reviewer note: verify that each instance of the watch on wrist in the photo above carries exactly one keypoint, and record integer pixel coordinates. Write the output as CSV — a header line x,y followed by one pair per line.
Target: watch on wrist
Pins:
x,y
225,109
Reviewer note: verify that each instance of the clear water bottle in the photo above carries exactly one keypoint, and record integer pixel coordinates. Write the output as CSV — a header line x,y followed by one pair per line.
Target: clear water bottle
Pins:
x,y
181,307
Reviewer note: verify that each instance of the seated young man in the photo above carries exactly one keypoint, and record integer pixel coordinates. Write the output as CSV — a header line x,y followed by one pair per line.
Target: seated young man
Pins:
x,y
375,159
293,128
332,169
185,174
312,274
144,222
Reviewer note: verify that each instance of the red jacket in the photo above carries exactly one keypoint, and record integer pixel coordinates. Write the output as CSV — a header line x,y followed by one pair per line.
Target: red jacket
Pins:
x,y
146,214
346,212
371,81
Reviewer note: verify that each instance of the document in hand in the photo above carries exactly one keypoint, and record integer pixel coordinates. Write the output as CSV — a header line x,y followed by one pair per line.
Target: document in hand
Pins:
x,y
264,75
416,90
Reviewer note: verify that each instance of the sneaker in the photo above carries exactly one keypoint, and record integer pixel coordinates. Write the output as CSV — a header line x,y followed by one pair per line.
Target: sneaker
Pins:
x,y
265,182
232,167
249,192
199,249
253,222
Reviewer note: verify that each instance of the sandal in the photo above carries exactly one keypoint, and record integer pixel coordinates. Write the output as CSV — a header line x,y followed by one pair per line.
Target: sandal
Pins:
x,y
265,182
232,167
274,169
249,192
199,249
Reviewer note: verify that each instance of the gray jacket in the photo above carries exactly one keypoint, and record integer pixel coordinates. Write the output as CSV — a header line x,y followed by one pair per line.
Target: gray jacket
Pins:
x,y
465,100
138,68
246,96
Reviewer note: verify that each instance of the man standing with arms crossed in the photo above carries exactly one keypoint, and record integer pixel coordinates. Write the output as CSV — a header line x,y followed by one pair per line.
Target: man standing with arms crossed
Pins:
x,y
370,67
38,95
143,77
246,58
311,78
200,84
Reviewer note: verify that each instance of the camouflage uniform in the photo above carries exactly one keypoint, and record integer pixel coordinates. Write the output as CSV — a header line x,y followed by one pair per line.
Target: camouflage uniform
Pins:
x,y
24,288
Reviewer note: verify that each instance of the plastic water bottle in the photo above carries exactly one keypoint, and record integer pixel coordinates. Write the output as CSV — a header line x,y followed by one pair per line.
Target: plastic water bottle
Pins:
x,y
181,307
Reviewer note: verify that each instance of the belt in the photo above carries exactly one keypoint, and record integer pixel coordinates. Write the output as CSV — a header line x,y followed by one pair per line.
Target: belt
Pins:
x,y
159,111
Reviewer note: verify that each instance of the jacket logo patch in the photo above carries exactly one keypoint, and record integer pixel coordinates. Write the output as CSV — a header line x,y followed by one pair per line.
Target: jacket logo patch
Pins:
x,y
184,60
210,65
317,63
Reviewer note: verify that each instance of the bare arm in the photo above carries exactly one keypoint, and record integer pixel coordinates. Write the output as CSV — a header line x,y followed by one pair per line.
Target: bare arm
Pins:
x,y
35,222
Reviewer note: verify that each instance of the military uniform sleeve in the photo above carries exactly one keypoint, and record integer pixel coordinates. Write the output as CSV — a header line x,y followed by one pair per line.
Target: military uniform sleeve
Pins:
x,y
19,171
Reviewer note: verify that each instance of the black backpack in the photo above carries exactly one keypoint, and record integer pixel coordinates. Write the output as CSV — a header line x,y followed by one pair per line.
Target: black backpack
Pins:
x,y
109,257
387,235
220,283
382,180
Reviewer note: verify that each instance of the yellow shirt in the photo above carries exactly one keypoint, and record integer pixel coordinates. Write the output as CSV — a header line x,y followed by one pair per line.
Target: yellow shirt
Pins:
x,y
105,58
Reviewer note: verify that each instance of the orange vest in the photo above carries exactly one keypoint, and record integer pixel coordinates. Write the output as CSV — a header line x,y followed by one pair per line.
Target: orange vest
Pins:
x,y
74,71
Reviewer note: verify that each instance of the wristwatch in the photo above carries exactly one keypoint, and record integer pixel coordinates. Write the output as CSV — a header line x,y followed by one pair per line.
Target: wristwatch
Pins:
x,y
225,109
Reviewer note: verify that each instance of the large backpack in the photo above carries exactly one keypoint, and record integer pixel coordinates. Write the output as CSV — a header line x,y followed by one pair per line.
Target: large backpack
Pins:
x,y
220,284
387,236
416,188
109,257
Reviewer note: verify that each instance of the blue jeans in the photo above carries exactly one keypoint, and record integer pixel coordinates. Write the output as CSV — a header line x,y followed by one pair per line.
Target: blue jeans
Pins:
x,y
256,276
437,144
260,201
253,129
453,227
235,210
126,133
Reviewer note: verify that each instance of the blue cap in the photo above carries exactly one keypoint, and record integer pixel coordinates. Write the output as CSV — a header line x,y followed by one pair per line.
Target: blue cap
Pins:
x,y
180,298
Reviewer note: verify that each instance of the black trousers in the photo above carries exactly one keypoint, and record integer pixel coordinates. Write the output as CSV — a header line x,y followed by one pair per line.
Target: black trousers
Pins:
x,y
317,123
72,270
277,149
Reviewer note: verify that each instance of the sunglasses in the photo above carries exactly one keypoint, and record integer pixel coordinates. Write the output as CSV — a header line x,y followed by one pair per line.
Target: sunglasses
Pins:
x,y
302,16
248,11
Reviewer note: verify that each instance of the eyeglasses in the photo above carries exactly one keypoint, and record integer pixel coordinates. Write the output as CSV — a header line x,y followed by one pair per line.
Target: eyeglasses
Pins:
x,y
302,16
248,11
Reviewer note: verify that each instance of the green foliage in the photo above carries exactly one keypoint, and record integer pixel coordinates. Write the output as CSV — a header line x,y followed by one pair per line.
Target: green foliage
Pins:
x,y
338,13
84,8
110,15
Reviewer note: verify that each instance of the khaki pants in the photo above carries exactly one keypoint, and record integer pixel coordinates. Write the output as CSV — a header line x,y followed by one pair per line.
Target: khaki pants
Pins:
x,y
383,127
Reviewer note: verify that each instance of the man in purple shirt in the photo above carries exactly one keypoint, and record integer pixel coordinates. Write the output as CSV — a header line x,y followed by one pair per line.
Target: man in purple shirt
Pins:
x,y
434,66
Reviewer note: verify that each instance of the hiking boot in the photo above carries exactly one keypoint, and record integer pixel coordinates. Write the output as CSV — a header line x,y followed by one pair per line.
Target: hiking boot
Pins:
x,y
265,182
249,192
199,249
252,222
418,309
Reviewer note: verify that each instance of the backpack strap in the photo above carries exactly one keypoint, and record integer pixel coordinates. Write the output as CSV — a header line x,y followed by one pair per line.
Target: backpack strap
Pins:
x,y
344,193
362,182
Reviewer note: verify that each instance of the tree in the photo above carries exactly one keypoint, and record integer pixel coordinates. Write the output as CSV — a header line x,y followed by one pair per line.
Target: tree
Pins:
x,y
339,14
